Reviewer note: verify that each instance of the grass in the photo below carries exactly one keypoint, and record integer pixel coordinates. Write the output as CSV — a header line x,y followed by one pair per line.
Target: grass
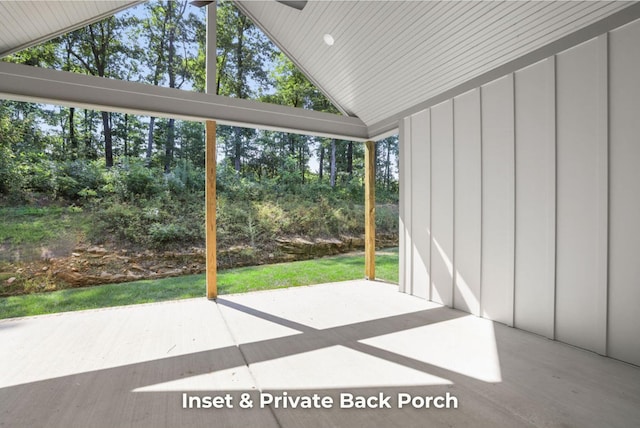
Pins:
x,y
31,225
330,269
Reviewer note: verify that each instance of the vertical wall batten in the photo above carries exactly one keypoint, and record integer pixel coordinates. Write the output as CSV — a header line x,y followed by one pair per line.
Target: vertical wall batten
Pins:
x,y
430,190
403,201
453,204
408,242
603,190
515,201
552,187
408,193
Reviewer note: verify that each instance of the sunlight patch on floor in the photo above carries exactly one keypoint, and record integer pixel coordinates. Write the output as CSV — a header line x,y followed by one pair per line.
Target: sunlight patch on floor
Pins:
x,y
337,367
233,379
465,345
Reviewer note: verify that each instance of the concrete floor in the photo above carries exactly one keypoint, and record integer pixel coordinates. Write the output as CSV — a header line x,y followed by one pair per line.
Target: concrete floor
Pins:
x,y
130,366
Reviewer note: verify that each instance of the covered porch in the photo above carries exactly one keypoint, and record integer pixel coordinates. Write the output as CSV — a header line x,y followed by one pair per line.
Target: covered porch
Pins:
x,y
138,365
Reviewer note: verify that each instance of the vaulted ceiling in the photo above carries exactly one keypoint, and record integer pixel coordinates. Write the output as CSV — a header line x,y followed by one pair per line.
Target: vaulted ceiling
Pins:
x,y
27,23
389,58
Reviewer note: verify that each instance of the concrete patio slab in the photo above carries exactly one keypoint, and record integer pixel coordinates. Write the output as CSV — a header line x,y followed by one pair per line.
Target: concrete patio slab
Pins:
x,y
135,366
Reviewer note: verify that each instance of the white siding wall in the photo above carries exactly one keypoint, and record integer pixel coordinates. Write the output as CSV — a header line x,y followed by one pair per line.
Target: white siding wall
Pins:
x,y
442,203
624,194
498,200
531,187
580,254
467,202
536,198
421,208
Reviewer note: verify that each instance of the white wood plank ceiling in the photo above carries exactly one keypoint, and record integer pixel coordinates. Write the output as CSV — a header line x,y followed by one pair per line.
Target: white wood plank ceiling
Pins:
x,y
389,56
27,23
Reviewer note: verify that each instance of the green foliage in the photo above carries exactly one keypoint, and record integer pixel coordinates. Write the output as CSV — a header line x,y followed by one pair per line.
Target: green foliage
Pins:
x,y
161,235
74,177
39,174
185,178
136,181
165,221
11,180
387,218
265,179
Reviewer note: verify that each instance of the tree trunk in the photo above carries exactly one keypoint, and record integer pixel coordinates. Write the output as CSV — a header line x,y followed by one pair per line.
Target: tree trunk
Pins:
x,y
168,153
73,140
237,149
375,157
321,163
387,173
126,134
333,163
350,159
108,142
236,159
301,161
87,135
237,132
150,140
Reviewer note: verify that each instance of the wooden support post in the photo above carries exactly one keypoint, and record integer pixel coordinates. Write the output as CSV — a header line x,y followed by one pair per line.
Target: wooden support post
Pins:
x,y
210,159
210,207
370,210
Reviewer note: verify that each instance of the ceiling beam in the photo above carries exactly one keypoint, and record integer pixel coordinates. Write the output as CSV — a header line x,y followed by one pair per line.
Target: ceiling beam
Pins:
x,y
26,83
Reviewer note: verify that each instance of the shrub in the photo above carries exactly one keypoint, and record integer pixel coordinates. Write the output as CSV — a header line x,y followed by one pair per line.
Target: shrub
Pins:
x,y
271,218
387,218
39,174
11,179
162,234
119,221
138,181
186,177
74,176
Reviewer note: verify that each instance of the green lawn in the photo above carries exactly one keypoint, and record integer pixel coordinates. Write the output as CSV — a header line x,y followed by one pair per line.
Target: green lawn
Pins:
x,y
33,225
330,269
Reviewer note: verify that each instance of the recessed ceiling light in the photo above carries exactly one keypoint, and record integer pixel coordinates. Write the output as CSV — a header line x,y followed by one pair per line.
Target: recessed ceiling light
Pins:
x,y
328,39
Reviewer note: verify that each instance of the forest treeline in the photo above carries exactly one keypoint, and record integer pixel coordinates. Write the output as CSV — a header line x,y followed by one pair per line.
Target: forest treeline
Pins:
x,y
145,175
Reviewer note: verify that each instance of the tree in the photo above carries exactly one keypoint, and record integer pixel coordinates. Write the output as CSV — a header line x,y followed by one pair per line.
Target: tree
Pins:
x,y
169,58
333,163
98,49
386,161
242,53
129,130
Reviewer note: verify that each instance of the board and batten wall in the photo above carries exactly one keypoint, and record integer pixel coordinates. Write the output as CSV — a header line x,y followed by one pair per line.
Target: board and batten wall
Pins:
x,y
520,199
